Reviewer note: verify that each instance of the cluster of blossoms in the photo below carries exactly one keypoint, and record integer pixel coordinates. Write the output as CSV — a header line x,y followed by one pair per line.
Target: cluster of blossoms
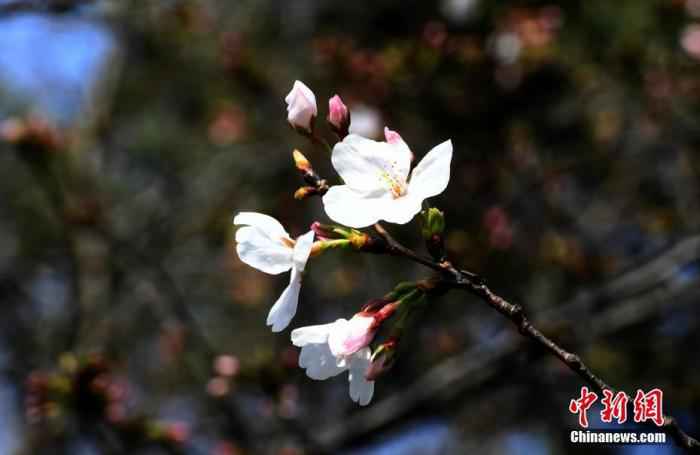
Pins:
x,y
377,184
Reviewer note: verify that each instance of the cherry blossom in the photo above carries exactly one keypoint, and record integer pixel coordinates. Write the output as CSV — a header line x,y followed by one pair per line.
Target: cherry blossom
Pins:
x,y
330,349
264,244
377,181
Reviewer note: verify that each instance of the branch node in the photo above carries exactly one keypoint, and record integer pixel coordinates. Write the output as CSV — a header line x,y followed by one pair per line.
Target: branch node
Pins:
x,y
572,359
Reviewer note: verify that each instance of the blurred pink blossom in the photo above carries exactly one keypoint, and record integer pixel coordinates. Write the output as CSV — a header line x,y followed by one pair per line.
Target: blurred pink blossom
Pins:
x,y
690,40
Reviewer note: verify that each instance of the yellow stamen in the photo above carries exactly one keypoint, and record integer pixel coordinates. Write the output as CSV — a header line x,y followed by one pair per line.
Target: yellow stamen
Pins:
x,y
397,188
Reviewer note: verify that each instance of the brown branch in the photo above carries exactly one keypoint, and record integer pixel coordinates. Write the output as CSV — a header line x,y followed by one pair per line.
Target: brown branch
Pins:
x,y
473,367
461,279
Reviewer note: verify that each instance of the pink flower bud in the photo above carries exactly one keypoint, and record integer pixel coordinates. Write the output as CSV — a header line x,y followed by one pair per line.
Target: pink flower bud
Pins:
x,y
338,116
301,107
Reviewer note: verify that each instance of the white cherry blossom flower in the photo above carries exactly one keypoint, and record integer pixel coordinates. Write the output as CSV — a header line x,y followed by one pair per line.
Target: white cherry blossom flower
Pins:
x,y
301,106
264,244
330,349
378,182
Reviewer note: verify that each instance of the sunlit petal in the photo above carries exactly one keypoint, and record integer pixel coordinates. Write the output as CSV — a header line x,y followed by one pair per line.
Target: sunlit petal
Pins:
x,y
265,223
258,250
431,176
350,208
302,250
367,166
285,307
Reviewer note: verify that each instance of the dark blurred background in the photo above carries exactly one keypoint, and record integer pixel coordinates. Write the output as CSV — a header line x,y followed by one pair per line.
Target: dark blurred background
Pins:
x,y
132,131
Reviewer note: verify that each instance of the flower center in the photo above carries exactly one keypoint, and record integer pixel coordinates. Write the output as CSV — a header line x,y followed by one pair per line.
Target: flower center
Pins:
x,y
397,186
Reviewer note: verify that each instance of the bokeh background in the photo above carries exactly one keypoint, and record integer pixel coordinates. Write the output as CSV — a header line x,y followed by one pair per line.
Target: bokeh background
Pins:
x,y
132,131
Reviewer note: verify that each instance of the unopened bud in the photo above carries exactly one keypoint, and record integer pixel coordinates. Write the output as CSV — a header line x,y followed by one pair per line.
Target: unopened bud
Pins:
x,y
315,185
301,108
432,228
304,192
432,222
338,116
386,312
382,360
374,305
300,161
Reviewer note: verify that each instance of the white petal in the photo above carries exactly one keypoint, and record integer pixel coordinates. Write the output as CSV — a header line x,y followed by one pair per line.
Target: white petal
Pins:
x,y
401,210
362,162
318,362
285,307
259,251
394,138
350,208
268,225
302,250
431,176
361,390
312,334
